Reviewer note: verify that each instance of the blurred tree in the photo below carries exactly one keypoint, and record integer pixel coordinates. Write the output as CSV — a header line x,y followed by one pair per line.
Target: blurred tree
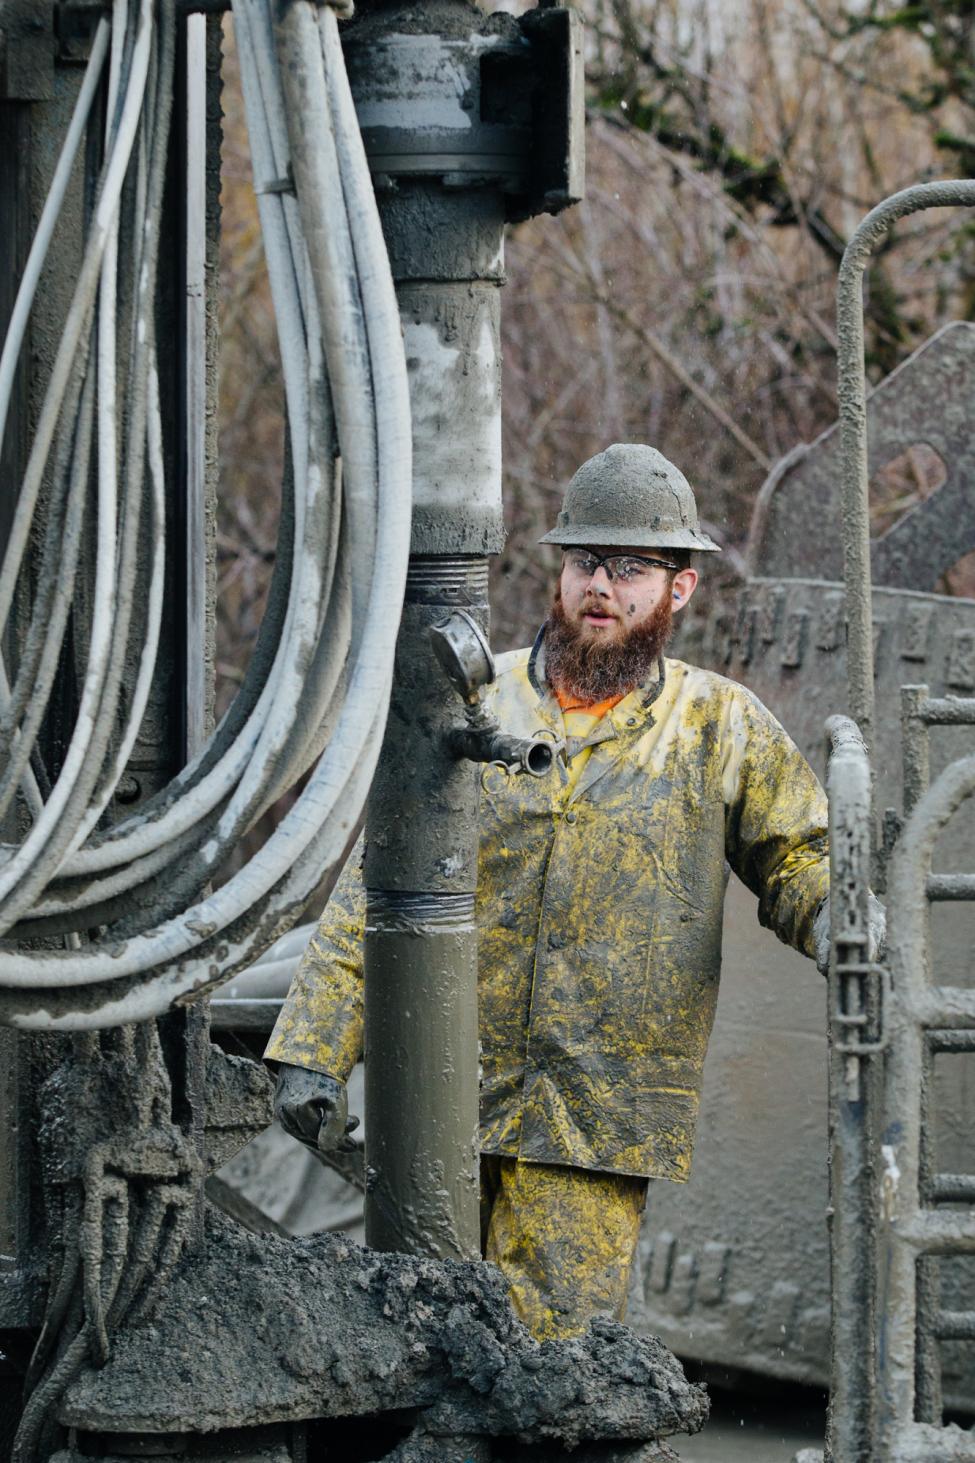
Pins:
x,y
689,302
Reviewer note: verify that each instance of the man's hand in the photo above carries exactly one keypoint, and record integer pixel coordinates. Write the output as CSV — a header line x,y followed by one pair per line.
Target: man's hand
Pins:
x,y
313,1107
876,933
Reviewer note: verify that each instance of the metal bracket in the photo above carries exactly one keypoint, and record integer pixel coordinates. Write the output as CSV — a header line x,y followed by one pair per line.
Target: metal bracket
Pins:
x,y
890,830
874,987
558,161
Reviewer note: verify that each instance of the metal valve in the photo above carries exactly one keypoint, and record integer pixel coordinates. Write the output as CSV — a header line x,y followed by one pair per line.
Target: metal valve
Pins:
x,y
465,656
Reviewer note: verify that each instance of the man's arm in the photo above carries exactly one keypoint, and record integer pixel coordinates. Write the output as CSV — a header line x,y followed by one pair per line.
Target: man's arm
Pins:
x,y
775,822
320,1024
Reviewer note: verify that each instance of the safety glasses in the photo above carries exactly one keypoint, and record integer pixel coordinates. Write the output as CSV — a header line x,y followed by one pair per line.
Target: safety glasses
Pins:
x,y
623,568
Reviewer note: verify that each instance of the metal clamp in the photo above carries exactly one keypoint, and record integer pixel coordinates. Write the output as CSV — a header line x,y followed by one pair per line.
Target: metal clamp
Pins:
x,y
848,1025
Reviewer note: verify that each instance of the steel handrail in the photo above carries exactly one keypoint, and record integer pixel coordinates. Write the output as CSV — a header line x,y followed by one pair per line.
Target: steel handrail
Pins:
x,y
852,387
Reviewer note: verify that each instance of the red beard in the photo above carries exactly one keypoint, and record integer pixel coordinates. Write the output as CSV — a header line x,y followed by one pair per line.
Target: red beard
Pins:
x,y
591,671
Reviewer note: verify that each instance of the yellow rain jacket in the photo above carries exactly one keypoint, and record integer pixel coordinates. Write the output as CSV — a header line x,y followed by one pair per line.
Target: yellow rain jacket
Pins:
x,y
599,911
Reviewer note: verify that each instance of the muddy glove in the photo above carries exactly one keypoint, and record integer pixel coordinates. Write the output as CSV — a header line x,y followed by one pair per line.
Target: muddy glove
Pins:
x,y
876,933
314,1108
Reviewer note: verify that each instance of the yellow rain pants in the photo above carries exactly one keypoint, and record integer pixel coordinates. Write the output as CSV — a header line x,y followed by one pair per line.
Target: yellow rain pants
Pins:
x,y
564,1239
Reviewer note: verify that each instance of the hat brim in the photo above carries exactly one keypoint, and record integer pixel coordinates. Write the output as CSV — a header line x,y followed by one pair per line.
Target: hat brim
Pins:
x,y
582,535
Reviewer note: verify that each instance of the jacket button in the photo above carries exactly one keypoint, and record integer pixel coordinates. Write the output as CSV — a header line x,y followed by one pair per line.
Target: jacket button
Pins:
x,y
571,816
555,940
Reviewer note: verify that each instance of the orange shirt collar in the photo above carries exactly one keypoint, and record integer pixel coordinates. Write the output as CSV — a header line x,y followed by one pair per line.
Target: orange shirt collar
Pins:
x,y
595,708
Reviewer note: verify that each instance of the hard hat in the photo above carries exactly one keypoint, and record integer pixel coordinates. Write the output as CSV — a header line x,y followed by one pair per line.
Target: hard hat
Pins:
x,y
632,496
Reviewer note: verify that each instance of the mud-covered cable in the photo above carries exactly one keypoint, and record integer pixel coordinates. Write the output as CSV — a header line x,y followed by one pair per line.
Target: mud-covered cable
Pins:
x,y
319,687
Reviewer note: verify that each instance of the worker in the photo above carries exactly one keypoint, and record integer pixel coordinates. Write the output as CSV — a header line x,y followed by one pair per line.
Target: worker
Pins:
x,y
599,904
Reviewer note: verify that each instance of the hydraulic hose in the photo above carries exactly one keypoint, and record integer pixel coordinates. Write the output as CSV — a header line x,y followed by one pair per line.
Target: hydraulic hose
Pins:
x,y
318,685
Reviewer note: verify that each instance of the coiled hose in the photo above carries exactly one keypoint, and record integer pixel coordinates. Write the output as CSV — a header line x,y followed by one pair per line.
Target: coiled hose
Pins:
x,y
316,691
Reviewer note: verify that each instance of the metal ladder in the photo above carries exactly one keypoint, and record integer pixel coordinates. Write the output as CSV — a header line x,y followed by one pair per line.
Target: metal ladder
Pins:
x,y
923,1019
888,1233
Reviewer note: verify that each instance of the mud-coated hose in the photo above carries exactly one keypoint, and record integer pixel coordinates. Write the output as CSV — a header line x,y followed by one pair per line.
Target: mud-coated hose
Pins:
x,y
318,686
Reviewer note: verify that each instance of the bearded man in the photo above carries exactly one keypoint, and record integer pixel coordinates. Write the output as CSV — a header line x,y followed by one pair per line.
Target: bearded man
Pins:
x,y
599,904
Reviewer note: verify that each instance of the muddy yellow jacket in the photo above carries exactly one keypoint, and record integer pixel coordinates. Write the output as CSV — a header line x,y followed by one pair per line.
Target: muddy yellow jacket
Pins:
x,y
599,915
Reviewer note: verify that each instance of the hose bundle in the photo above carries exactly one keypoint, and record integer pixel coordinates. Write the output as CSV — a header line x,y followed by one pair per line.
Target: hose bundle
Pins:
x,y
316,691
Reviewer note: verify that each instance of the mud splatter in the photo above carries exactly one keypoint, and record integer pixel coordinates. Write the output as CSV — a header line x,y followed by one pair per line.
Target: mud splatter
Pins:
x,y
258,1329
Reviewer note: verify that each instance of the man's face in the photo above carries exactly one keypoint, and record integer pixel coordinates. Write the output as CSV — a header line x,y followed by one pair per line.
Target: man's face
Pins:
x,y
604,610
609,623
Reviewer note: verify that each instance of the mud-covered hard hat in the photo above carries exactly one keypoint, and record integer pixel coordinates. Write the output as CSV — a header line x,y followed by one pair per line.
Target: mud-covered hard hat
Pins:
x,y
630,496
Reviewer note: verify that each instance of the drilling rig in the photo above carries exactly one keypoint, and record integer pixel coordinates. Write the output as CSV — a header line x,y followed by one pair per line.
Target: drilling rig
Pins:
x,y
390,148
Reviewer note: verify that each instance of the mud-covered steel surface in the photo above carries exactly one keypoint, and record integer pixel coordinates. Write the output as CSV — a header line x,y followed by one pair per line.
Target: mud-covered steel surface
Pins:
x,y
797,530
452,19
443,234
421,1022
599,914
420,1003
256,1330
443,97
422,822
238,1104
798,527
417,75
452,338
449,92
432,104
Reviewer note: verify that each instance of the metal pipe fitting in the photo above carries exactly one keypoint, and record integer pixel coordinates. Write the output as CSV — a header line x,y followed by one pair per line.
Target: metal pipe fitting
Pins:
x,y
482,740
465,657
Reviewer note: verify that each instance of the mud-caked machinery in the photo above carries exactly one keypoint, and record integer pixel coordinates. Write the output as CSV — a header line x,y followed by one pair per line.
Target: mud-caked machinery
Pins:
x,y
389,149
147,1308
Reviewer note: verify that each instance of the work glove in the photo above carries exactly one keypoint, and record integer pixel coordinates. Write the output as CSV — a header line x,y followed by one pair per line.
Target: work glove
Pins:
x,y
314,1108
876,933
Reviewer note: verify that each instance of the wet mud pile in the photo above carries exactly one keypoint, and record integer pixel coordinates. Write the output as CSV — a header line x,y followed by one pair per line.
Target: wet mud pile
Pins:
x,y
256,1329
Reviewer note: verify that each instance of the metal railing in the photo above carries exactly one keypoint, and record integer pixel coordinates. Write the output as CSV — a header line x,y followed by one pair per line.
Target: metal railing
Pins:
x,y
886,1230
887,1024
